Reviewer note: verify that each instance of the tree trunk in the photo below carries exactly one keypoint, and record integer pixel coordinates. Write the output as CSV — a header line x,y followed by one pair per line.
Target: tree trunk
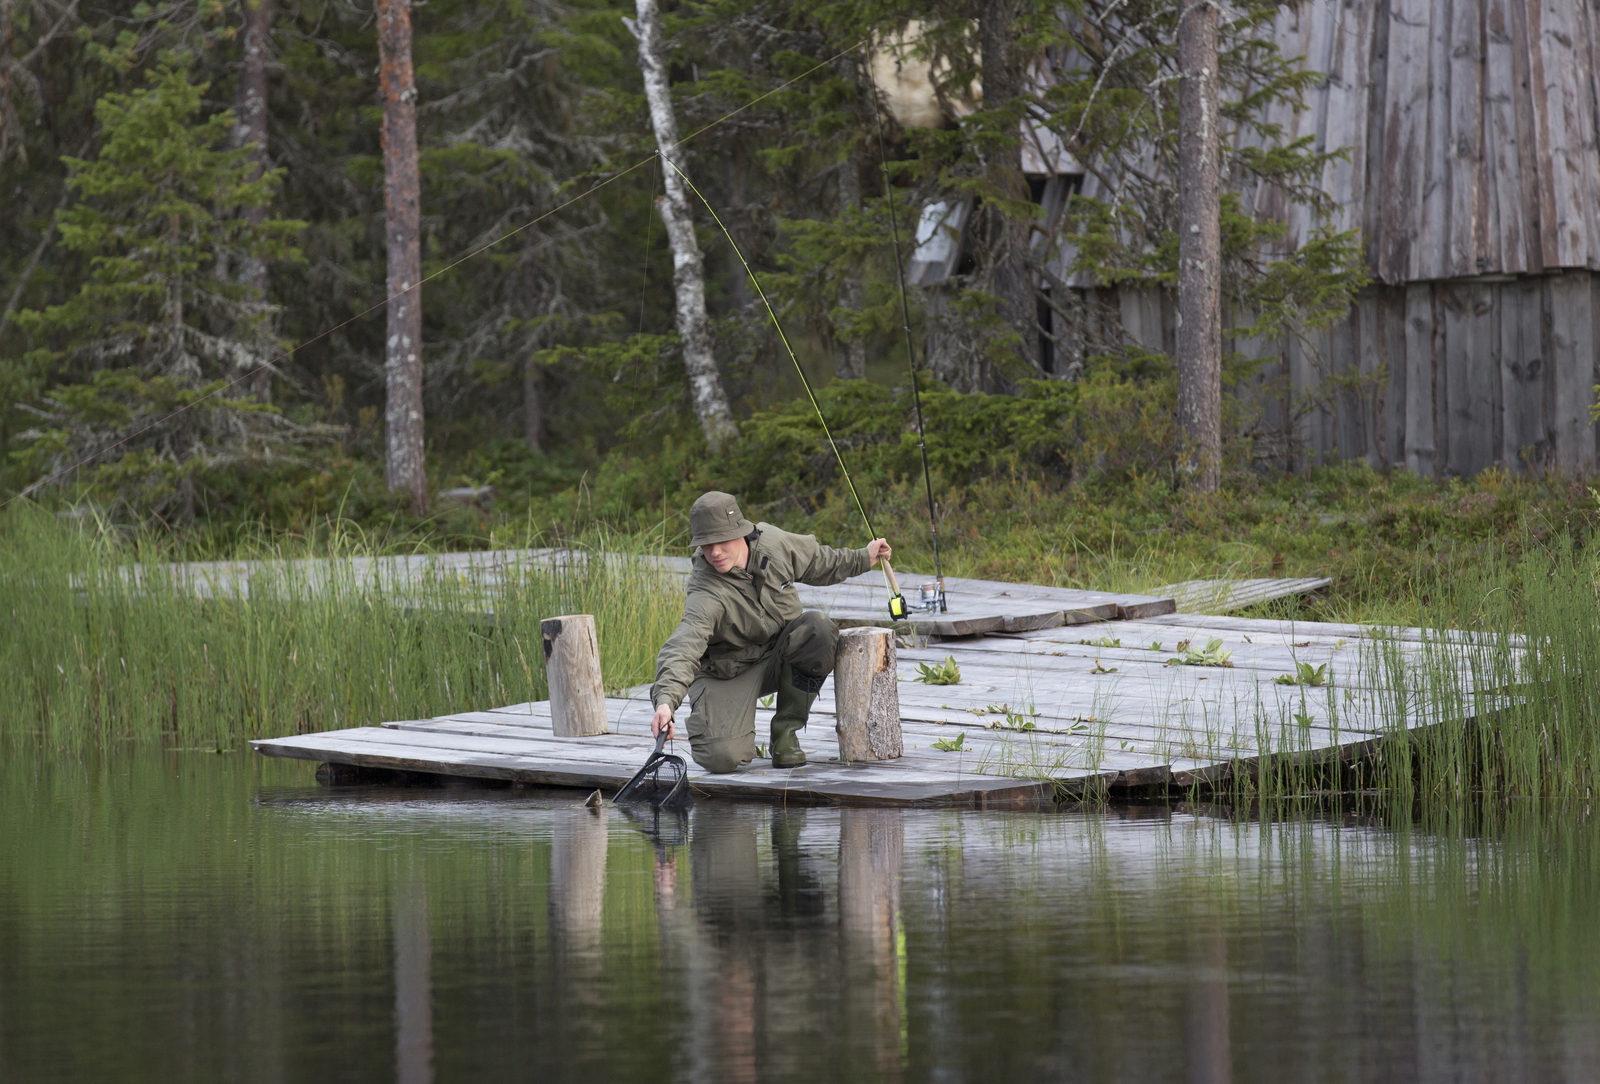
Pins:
x,y
852,293
738,280
1199,248
1006,236
406,469
251,130
533,403
688,271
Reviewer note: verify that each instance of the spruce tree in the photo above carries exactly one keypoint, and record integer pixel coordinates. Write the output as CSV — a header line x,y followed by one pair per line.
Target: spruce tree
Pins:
x,y
159,325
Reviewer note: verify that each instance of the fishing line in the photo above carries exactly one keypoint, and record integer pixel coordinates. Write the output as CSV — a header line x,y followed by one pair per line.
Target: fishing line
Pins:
x,y
889,582
27,491
911,355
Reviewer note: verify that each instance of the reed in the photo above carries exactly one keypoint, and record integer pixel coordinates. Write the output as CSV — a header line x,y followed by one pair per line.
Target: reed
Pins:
x,y
111,643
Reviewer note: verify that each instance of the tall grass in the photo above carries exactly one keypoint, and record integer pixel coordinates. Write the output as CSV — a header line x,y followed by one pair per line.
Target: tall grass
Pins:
x,y
1510,711
106,644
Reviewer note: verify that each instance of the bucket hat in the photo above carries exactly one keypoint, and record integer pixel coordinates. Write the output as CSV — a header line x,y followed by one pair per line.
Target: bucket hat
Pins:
x,y
715,517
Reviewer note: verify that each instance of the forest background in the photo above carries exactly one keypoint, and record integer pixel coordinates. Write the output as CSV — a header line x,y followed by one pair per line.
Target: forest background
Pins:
x,y
173,229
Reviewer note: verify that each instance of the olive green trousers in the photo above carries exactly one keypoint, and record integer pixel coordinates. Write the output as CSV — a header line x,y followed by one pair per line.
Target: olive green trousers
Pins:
x,y
722,716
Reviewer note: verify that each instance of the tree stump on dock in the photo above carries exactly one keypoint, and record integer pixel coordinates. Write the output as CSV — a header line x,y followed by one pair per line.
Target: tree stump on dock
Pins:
x,y
866,696
572,666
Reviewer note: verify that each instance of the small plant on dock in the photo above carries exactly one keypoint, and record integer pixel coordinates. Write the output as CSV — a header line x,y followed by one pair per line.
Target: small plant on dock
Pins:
x,y
946,673
951,745
1213,654
1305,674
1104,641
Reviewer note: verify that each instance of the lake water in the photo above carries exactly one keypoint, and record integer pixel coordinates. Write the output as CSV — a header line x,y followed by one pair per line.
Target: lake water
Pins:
x,y
196,917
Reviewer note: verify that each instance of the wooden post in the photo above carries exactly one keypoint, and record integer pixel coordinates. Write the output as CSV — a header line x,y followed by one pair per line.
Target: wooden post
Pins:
x,y
572,666
866,696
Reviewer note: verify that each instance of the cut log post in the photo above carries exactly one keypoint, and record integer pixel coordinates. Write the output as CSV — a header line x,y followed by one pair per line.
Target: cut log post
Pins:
x,y
866,696
572,665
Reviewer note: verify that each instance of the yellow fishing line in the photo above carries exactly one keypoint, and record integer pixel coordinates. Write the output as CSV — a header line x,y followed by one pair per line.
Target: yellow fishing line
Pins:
x,y
785,339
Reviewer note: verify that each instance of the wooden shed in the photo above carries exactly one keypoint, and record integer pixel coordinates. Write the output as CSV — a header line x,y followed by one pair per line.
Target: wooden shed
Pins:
x,y
1474,176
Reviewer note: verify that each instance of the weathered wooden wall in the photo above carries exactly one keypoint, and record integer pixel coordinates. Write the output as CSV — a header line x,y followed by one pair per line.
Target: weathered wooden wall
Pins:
x,y
1473,136
1472,128
1442,378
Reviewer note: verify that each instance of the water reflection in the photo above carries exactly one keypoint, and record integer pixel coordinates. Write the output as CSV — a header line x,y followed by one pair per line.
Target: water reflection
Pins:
x,y
413,978
198,921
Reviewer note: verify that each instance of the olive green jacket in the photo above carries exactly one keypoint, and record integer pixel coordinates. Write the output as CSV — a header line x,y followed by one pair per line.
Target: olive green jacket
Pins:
x,y
732,619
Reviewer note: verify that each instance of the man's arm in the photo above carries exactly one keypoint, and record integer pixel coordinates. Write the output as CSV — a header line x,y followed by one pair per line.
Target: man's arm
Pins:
x,y
829,566
680,656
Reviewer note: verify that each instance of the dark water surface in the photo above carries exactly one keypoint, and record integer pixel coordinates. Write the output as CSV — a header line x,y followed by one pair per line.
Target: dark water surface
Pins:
x,y
190,917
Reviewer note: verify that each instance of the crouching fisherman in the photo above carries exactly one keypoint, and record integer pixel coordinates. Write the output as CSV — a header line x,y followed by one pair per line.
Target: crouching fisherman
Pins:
x,y
744,636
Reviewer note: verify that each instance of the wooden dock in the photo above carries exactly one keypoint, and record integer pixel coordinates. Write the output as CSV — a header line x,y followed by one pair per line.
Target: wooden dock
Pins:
x,y
1127,701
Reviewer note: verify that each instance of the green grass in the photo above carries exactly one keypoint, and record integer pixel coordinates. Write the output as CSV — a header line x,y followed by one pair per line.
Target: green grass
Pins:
x,y
101,655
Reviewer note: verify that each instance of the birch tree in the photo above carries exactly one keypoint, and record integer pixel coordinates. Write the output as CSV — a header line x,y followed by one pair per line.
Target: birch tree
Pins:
x,y
250,132
405,468
688,270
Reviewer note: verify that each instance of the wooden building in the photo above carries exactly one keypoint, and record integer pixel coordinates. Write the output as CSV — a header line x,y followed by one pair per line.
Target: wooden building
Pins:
x,y
1474,177
1473,174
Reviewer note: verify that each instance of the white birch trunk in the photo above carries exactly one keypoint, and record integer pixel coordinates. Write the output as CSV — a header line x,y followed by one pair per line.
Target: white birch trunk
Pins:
x,y
688,274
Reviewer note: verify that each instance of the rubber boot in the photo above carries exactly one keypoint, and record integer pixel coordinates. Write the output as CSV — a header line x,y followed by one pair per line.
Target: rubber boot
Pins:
x,y
796,693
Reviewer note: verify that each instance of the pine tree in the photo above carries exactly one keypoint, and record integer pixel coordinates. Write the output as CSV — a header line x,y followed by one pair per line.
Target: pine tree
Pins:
x,y
159,324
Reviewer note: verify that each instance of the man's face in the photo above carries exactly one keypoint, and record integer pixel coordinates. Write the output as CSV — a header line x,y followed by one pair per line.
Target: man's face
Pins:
x,y
725,555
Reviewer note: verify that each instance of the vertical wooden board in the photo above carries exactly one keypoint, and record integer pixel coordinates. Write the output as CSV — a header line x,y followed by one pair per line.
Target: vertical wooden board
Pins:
x,y
1464,155
1331,119
1376,107
1433,238
1469,371
1594,349
1545,141
1393,308
1405,142
1570,100
1505,248
1521,375
1420,437
1529,145
1572,353
1347,432
1368,320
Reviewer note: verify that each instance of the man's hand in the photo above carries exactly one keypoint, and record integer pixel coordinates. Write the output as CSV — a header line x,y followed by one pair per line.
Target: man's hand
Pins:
x,y
663,721
879,548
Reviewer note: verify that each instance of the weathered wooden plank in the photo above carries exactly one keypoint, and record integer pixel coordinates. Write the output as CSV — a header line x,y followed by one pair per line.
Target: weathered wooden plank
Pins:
x,y
1421,439
1433,236
1522,374
1569,100
1343,629
1572,352
1465,250
1505,243
1392,309
1220,596
1469,372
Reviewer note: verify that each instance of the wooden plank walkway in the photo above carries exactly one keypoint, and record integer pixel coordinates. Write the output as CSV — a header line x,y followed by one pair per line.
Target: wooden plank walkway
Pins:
x,y
1223,596
1044,711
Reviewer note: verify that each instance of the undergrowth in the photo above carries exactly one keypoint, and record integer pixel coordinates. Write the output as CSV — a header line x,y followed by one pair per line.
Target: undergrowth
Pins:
x,y
109,645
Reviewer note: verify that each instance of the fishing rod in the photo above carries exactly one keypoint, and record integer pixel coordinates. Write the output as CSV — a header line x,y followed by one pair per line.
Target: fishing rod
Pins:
x,y
897,602
911,356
